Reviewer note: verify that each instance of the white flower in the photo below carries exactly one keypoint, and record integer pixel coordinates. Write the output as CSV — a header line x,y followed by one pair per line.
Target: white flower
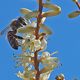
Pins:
x,y
27,74
24,59
45,54
48,62
43,44
20,75
26,43
45,76
37,44
49,67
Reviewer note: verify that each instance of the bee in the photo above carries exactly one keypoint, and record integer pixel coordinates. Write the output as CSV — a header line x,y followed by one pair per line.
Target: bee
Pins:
x,y
11,35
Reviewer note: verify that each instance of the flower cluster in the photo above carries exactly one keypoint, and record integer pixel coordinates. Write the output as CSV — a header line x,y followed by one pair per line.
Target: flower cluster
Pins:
x,y
32,44
36,62
26,59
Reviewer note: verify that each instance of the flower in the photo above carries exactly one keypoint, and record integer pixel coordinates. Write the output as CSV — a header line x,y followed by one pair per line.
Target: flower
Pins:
x,y
43,44
32,44
27,42
27,74
20,75
24,59
37,44
45,76
48,62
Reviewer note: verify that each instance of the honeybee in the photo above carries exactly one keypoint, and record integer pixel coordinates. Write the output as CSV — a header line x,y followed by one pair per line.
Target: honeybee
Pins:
x,y
11,35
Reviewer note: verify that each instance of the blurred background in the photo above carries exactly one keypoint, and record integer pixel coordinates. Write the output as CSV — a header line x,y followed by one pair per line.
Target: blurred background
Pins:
x,y
65,38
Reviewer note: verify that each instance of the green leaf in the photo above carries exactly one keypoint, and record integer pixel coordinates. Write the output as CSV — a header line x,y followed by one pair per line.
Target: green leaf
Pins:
x,y
74,14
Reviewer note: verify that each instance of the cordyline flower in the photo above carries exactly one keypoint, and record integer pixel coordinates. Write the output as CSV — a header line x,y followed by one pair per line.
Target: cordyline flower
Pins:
x,y
29,45
27,75
45,76
48,62
27,61
32,44
24,59
34,41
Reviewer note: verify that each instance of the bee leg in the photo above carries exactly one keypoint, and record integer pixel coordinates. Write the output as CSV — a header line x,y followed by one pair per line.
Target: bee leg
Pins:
x,y
13,33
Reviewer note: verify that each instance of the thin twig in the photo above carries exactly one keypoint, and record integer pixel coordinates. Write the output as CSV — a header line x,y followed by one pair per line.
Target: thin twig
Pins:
x,y
39,19
36,62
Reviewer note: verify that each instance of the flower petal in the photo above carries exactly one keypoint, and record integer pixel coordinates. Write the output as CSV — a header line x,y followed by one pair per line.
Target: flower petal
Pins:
x,y
74,14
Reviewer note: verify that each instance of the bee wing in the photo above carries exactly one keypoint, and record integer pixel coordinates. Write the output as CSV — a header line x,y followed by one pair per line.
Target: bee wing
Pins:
x,y
4,30
74,14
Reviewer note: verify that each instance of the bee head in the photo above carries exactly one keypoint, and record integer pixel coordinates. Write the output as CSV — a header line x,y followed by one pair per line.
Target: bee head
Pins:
x,y
22,20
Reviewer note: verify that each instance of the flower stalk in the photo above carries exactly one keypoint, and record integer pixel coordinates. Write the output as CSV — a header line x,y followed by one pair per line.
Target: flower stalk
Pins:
x,y
39,19
35,41
36,62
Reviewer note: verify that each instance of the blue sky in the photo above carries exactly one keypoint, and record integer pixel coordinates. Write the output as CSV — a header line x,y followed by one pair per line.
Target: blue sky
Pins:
x,y
65,39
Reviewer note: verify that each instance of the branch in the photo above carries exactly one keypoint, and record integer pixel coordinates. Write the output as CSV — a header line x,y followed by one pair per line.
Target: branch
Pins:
x,y
39,19
36,62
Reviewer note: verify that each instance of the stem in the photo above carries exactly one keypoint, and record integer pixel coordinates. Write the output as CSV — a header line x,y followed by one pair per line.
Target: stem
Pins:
x,y
36,65
39,19
36,62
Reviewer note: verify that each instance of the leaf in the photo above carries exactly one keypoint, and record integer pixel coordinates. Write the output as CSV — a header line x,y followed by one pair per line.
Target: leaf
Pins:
x,y
55,10
46,29
74,14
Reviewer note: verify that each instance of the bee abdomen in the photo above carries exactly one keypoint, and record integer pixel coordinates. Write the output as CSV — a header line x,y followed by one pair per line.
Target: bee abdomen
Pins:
x,y
12,40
